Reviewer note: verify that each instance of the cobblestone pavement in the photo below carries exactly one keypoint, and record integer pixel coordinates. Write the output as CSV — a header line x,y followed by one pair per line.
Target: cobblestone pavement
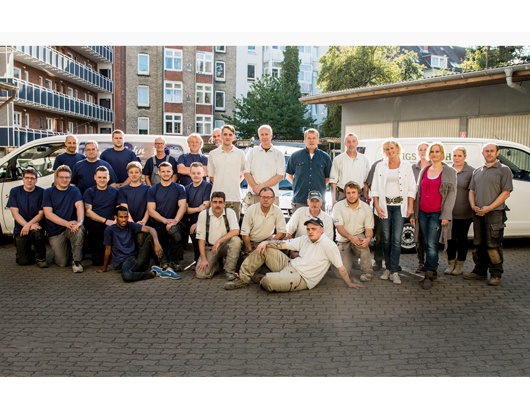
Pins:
x,y
56,323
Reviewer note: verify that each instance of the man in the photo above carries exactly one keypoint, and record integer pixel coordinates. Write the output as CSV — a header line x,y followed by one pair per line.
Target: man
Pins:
x,y
354,221
25,204
64,212
84,170
216,137
262,221
166,204
150,170
134,195
490,187
118,157
264,166
416,169
100,204
217,235
70,156
316,254
120,247
308,169
198,199
185,160
348,166
296,226
226,166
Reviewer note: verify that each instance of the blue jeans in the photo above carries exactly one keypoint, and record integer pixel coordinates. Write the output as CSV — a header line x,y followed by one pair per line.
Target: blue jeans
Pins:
x,y
391,230
431,228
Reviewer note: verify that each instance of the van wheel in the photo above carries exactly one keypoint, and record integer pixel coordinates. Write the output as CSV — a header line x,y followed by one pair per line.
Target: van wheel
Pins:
x,y
407,237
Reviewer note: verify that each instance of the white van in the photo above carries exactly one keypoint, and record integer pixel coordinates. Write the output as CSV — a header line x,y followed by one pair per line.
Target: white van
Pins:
x,y
514,155
41,153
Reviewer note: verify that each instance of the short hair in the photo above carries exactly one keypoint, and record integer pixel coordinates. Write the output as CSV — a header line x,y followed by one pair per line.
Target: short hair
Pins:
x,y
102,169
31,171
393,141
73,136
118,132
63,168
351,134
265,126
218,194
353,185
228,127
267,189
493,144
196,165
134,164
421,144
160,138
462,149
311,130
165,163
440,145
121,208
94,142
197,135
216,129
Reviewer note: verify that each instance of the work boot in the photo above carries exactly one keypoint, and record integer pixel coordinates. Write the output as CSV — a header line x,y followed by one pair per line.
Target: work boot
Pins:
x,y
494,281
474,276
459,268
450,269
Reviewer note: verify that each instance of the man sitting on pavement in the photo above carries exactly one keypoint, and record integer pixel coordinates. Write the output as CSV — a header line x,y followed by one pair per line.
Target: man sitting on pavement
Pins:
x,y
354,221
317,253
217,236
120,247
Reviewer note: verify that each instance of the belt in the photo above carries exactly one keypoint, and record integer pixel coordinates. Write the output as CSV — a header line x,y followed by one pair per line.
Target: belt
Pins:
x,y
394,200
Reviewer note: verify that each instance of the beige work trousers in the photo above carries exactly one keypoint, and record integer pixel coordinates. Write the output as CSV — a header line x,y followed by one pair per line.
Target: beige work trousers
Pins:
x,y
229,250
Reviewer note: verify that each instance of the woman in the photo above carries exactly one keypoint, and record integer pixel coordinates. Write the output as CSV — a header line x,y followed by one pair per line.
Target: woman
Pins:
x,y
433,210
457,246
393,191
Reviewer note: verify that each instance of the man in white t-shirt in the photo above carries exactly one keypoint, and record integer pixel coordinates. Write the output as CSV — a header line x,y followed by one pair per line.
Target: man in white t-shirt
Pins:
x,y
317,253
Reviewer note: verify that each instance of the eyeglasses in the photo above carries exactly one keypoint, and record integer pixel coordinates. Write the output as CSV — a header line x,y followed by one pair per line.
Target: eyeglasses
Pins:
x,y
30,178
266,197
64,177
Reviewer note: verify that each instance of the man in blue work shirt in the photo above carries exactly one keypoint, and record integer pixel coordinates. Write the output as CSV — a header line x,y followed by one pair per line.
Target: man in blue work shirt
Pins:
x,y
308,169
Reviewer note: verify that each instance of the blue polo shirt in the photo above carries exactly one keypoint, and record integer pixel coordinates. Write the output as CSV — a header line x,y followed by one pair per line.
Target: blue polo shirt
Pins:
x,y
166,199
135,198
68,160
122,242
103,204
119,161
84,171
187,159
28,203
62,204
197,196
309,174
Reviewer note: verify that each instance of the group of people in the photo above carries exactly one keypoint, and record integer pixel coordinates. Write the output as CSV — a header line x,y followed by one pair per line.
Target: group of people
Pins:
x,y
100,202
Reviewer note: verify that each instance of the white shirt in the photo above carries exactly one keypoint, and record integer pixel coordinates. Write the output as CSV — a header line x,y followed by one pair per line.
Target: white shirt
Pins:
x,y
217,225
226,169
264,164
346,168
355,221
296,227
315,257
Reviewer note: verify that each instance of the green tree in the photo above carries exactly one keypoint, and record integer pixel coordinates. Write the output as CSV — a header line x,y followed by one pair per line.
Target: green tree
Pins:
x,y
348,67
273,101
481,57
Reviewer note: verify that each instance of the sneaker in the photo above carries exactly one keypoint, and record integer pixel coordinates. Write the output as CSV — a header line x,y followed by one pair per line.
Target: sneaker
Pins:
x,y
236,284
176,267
394,277
231,276
494,281
42,264
420,268
474,276
365,277
156,270
385,275
168,273
77,267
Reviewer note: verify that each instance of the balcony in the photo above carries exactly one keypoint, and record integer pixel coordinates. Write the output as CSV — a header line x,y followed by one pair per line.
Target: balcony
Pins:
x,y
38,97
64,67
98,53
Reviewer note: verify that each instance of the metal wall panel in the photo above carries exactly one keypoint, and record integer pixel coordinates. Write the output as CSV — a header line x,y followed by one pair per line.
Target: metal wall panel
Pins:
x,y
510,127
370,131
430,128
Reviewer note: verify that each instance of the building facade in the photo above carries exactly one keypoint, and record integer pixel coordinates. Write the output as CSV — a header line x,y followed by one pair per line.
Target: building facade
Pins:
x,y
50,90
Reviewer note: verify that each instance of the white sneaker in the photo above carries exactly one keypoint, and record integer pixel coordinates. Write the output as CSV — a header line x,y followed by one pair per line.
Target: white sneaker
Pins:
x,y
365,277
385,275
77,267
395,278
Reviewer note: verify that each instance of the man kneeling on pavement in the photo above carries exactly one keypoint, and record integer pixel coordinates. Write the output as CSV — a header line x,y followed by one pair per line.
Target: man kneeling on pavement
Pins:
x,y
317,253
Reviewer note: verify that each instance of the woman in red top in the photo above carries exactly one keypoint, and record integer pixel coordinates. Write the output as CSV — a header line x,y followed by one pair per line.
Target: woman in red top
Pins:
x,y
434,207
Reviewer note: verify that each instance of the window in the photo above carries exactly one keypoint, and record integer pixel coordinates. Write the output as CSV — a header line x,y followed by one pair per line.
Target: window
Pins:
x,y
49,124
305,49
203,95
17,119
173,59
143,125
16,72
26,120
439,62
143,64
172,123
251,49
276,71
220,49
143,95
70,127
204,63
173,92
219,70
219,101
251,72
218,123
203,124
